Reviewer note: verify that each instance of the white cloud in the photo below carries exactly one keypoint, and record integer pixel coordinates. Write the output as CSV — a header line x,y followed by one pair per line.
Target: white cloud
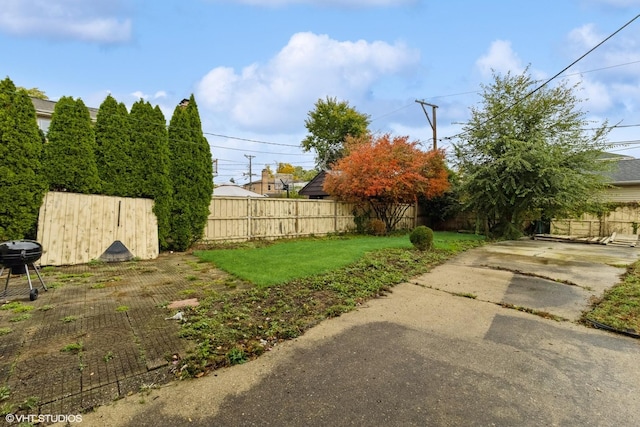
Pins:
x,y
500,58
585,37
594,95
140,95
279,94
610,82
618,54
94,21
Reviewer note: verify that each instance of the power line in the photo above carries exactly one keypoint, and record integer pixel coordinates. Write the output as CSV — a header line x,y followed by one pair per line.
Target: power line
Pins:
x,y
257,151
251,140
518,101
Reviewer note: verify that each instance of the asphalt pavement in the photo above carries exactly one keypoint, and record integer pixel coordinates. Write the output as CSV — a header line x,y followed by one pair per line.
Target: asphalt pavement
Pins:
x,y
440,350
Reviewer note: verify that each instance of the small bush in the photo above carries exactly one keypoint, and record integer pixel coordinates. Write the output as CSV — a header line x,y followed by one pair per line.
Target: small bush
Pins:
x,y
377,227
422,238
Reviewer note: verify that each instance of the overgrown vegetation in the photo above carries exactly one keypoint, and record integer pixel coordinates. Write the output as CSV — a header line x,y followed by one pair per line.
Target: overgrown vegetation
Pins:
x,y
535,158
619,307
232,328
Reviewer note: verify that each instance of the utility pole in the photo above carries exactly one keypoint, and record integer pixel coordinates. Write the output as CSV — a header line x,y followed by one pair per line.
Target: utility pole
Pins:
x,y
431,123
248,156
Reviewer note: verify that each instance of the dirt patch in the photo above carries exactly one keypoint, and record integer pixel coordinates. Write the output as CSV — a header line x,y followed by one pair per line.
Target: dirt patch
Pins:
x,y
99,333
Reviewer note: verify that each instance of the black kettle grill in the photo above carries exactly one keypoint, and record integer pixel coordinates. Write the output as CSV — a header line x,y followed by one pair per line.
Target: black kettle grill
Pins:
x,y
17,255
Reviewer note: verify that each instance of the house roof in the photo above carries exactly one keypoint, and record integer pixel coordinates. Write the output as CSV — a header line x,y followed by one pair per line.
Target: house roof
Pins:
x,y
626,172
44,107
314,187
227,190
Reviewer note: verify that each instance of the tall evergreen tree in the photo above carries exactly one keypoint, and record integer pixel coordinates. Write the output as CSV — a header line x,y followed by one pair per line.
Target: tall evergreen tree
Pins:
x,y
191,175
21,184
113,155
70,154
150,149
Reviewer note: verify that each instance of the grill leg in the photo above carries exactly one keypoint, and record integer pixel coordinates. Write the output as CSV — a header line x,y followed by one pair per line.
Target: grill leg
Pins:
x,y
39,276
26,269
7,282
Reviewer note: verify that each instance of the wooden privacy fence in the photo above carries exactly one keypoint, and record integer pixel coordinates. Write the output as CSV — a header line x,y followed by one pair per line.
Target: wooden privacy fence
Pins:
x,y
77,228
623,220
240,219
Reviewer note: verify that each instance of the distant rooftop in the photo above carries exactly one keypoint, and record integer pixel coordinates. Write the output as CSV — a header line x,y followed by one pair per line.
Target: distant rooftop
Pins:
x,y
228,190
626,172
44,107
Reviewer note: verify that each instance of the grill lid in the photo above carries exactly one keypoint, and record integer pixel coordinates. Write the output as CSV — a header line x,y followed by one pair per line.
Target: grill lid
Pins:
x,y
19,252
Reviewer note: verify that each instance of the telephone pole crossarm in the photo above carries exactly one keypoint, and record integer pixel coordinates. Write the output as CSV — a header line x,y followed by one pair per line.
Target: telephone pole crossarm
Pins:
x,y
250,157
431,123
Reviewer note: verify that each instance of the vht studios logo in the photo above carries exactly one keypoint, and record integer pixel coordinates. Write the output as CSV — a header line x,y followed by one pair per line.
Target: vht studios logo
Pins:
x,y
42,418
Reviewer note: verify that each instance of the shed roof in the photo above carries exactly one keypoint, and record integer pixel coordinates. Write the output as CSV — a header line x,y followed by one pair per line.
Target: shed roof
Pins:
x,y
314,187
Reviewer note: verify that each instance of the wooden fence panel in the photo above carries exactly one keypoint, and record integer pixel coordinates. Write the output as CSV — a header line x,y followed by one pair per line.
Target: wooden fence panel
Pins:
x,y
77,228
240,219
623,220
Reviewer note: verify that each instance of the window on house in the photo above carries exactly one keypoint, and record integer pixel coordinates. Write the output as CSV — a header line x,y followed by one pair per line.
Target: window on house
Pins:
x,y
43,124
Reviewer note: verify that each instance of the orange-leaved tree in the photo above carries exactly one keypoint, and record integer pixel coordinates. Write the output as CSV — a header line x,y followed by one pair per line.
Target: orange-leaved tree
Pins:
x,y
387,173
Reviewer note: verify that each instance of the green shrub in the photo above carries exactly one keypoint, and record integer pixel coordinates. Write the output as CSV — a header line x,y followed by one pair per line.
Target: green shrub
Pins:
x,y
422,238
377,227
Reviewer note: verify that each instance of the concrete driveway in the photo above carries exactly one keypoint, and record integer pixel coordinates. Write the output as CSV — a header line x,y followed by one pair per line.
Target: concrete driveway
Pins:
x,y
426,355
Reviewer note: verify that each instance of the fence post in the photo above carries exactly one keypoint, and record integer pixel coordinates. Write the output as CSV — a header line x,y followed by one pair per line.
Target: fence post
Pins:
x,y
249,218
297,210
335,216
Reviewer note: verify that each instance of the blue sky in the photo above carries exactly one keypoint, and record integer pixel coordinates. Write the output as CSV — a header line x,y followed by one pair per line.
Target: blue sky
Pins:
x,y
257,67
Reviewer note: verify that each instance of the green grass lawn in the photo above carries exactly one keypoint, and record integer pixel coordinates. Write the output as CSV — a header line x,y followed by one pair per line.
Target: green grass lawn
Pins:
x,y
293,259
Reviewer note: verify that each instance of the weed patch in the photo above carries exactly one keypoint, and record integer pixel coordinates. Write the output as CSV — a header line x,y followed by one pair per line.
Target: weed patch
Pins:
x,y
74,348
23,316
543,314
17,307
619,307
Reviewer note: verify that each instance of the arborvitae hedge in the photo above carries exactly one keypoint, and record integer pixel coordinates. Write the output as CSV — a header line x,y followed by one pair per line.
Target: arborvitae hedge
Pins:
x,y
70,153
191,176
150,151
134,154
21,184
113,155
